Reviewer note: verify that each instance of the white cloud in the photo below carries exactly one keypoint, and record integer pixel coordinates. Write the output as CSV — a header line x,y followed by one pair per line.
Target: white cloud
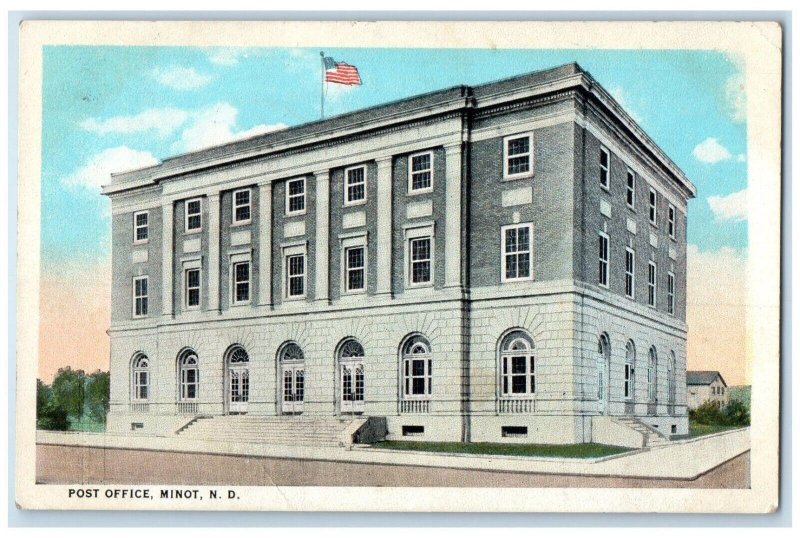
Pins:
x,y
732,207
711,151
227,55
741,158
216,125
98,169
163,121
735,97
180,78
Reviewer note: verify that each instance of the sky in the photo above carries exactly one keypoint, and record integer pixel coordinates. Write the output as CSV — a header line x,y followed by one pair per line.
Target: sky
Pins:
x,y
109,109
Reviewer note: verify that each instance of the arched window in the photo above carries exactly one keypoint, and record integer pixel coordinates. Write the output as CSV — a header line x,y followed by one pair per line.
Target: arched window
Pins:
x,y
292,378
188,376
517,365
652,375
671,377
628,379
291,352
603,351
238,379
351,375
238,355
417,367
140,372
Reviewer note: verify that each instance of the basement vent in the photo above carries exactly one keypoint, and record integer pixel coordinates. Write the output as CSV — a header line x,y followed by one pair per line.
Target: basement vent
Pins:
x,y
137,426
413,430
674,429
515,431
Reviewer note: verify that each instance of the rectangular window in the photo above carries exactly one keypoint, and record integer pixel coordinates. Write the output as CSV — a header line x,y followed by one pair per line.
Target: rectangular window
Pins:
x,y
630,272
140,296
516,245
241,206
417,377
670,293
194,218
671,221
652,207
192,277
420,269
355,191
518,156
602,277
630,190
296,196
354,269
628,381
420,172
241,283
651,284
141,229
605,168
518,373
296,275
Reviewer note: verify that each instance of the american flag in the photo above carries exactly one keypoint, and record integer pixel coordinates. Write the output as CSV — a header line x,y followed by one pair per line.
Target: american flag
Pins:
x,y
340,72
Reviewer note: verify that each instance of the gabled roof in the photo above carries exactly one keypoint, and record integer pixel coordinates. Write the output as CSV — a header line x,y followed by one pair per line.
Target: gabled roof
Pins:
x,y
703,377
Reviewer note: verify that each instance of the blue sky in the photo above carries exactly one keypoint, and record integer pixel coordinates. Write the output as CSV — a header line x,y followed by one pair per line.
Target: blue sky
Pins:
x,y
107,108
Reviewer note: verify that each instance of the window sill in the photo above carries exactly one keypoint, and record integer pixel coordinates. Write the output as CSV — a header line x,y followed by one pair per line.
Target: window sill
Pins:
x,y
516,177
236,224
294,298
418,192
605,188
241,304
141,242
193,232
355,204
139,317
419,286
296,214
516,280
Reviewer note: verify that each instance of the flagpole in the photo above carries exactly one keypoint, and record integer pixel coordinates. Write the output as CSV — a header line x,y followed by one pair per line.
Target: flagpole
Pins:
x,y
322,88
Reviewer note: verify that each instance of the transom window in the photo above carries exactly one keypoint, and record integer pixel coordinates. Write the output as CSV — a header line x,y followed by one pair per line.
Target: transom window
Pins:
x,y
194,217
417,367
516,263
351,349
241,206
141,228
420,172
518,150
652,201
140,370
192,278
630,272
355,268
238,355
296,275
628,373
292,352
671,220
651,284
420,248
355,185
605,167
670,293
630,190
517,365
296,196
140,296
652,373
241,282
602,275
188,376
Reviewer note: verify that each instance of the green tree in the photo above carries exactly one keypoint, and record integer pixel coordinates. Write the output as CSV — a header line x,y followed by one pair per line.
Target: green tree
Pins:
x,y
708,412
97,395
68,391
49,416
736,413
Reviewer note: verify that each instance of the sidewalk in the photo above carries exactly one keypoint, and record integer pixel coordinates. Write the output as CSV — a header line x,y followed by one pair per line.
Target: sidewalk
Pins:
x,y
680,460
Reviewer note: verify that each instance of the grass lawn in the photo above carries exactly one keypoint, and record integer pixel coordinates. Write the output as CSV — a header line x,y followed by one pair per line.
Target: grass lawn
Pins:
x,y
696,429
587,450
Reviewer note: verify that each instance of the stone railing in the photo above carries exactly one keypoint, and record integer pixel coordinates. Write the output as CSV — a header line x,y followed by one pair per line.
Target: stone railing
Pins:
x,y
139,407
516,405
415,406
186,408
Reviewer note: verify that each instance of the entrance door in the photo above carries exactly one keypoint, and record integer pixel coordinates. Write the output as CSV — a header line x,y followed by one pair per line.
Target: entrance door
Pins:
x,y
351,387
239,389
293,388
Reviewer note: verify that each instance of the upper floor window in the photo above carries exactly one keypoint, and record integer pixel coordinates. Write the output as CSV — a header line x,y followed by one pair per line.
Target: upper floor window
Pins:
x,y
140,373
355,267
671,220
141,226
420,260
355,180
651,284
670,293
194,217
241,206
417,367
605,168
630,272
192,288
653,199
518,156
140,296
241,282
294,271
517,365
516,246
296,196
188,378
630,189
602,276
420,172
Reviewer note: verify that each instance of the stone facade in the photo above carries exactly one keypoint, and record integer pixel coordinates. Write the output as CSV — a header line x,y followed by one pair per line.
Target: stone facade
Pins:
x,y
459,383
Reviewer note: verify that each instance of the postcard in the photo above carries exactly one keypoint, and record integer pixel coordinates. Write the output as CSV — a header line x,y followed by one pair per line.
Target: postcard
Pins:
x,y
399,266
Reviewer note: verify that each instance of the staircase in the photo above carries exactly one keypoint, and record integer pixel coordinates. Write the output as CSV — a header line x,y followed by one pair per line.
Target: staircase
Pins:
x,y
652,437
272,430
